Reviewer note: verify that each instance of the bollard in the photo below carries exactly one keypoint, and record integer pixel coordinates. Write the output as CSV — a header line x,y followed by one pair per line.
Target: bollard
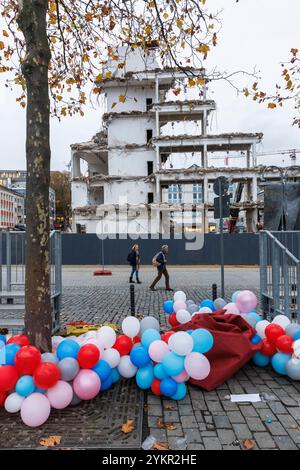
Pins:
x,y
132,300
214,291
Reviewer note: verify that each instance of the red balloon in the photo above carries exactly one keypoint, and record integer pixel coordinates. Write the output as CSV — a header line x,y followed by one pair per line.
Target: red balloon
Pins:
x,y
136,340
166,336
155,387
88,356
268,348
273,332
8,378
284,344
173,320
21,340
123,344
46,375
3,396
27,359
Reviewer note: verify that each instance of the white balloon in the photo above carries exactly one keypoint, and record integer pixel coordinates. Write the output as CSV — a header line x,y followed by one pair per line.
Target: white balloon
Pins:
x,y
205,310
13,403
107,335
112,357
196,313
97,342
179,295
260,328
126,368
282,321
131,326
149,323
296,345
181,343
183,316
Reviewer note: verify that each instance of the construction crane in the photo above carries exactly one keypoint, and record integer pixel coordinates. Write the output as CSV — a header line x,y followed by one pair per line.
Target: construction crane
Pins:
x,y
292,153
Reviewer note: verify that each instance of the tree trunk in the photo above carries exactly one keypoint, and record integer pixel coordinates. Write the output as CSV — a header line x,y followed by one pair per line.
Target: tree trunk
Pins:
x,y
32,22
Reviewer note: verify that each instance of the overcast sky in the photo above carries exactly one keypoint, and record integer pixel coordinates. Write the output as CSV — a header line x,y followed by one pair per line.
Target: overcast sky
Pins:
x,y
255,33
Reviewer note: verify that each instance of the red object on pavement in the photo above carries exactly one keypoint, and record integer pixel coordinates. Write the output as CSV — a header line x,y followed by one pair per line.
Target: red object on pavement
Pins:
x,y
102,272
166,336
123,344
285,344
232,347
155,387
136,340
173,320
268,348
273,332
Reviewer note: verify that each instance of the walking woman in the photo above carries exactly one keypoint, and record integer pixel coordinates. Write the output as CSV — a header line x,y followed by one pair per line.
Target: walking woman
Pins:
x,y
134,260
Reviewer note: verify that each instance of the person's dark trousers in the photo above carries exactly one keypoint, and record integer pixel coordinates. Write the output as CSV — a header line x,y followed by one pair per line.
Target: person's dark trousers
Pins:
x,y
136,271
161,272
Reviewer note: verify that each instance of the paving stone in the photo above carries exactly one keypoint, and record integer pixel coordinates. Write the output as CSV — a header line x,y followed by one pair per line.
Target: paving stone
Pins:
x,y
248,411
199,405
193,435
152,421
295,435
199,416
264,440
212,443
185,410
177,443
236,417
226,436
153,400
159,434
171,416
277,407
285,443
195,447
208,419
222,422
208,434
188,422
276,429
255,424
242,431
295,412
287,421
214,406
155,410
288,401
231,447
178,432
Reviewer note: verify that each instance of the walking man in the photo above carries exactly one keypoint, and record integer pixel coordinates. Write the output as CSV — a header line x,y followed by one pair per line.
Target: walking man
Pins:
x,y
160,262
134,260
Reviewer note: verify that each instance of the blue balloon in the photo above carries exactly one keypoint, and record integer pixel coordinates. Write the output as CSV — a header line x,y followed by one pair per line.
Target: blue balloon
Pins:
x,y
168,306
260,359
181,392
2,344
10,352
159,372
139,356
106,384
234,296
115,375
67,348
103,369
149,336
208,303
144,377
3,338
168,387
203,340
256,339
39,390
173,364
25,386
279,362
189,332
296,335
255,316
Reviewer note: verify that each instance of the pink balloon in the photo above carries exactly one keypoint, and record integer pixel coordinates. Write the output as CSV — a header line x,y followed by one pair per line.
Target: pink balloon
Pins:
x,y
157,350
180,378
179,305
87,384
232,309
197,366
35,410
246,301
60,396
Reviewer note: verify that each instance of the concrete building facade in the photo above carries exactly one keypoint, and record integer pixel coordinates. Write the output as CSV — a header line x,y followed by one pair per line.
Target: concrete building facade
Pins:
x,y
11,208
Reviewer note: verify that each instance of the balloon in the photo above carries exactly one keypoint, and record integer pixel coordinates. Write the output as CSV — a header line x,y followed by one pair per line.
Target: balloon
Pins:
x,y
181,343
21,340
61,395
13,403
180,393
246,301
180,378
67,348
232,309
87,384
197,366
297,335
292,329
285,344
261,328
75,400
46,375
103,369
3,338
107,335
136,340
219,303
56,340
183,316
25,386
8,378
157,350
27,359
3,396
126,368
203,340
168,387
49,357
208,303
144,377
268,348
234,296
139,356
35,410
9,353
168,306
256,339
296,345
282,321
293,369
106,384
149,336
130,326
115,375
69,368
273,332
159,372
255,316
95,342
88,356
155,387
179,305
249,319
173,320
166,336
192,309
123,344
205,310
279,362
149,323
173,364
260,360
179,295
112,357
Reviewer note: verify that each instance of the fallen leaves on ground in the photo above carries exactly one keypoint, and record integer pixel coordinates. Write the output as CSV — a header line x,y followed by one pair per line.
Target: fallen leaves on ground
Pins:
x,y
294,427
160,446
163,425
248,444
168,406
128,426
50,441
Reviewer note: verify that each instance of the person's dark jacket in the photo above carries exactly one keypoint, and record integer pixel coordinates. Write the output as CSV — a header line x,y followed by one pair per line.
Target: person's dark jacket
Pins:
x,y
133,258
161,258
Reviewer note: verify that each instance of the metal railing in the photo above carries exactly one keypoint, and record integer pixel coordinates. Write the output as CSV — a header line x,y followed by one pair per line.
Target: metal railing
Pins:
x,y
279,274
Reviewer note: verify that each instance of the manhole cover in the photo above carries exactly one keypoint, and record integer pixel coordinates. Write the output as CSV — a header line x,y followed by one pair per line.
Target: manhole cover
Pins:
x,y
91,425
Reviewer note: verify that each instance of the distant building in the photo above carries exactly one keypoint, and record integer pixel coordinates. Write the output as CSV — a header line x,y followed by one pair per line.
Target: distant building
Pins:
x,y
11,208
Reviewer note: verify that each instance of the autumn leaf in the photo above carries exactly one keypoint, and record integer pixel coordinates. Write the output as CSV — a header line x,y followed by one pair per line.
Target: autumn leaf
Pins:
x,y
160,446
168,406
248,444
122,98
192,82
128,427
163,425
5,33
50,441
246,92
2,45
272,105
179,23
108,75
